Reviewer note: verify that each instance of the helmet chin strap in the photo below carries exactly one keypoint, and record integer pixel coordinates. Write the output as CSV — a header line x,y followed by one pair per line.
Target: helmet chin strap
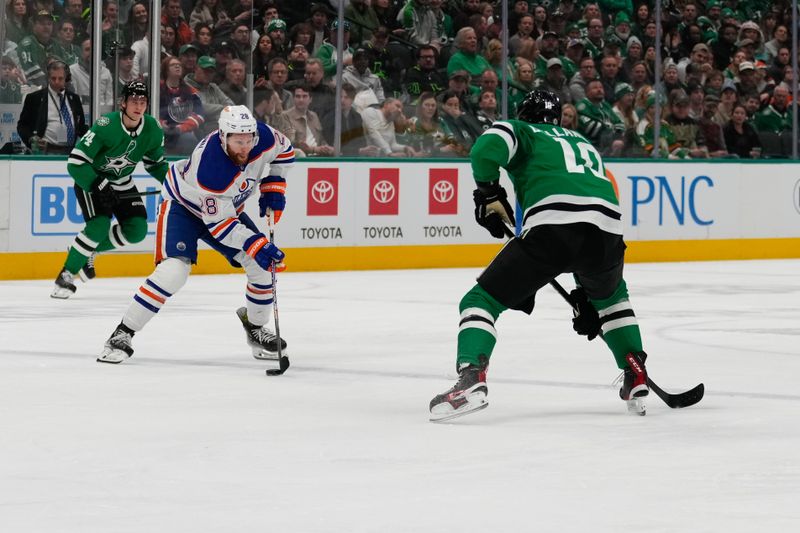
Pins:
x,y
125,113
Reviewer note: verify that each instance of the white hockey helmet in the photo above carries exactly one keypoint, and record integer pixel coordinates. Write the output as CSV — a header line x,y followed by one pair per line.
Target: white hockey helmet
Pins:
x,y
236,119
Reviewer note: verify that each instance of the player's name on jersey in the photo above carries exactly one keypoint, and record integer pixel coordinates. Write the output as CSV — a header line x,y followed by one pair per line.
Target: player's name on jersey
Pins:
x,y
435,232
557,132
330,233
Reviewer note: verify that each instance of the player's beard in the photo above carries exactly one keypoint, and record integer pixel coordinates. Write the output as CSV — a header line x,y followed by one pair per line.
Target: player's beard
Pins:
x,y
238,159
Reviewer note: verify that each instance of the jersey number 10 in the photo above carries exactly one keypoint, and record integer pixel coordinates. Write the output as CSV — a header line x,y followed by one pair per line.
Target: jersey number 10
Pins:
x,y
587,158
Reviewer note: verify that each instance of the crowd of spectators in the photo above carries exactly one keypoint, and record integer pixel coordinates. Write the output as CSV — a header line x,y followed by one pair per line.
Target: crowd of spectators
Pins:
x,y
422,78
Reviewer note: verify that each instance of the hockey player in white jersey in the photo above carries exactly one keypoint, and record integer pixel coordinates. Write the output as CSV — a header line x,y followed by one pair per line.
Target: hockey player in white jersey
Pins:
x,y
203,199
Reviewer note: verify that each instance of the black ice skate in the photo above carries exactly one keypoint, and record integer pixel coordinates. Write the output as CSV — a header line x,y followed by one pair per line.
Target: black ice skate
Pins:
x,y
118,346
634,383
65,285
87,272
467,395
263,341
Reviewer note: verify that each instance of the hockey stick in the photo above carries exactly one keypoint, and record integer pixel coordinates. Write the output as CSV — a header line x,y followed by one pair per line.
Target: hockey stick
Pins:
x,y
675,401
283,361
137,194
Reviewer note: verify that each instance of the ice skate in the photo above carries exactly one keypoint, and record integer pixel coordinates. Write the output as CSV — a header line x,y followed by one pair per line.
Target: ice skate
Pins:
x,y
467,395
634,383
118,346
65,285
87,272
261,339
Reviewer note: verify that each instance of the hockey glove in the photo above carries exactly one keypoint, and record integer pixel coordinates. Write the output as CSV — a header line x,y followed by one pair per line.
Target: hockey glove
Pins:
x,y
264,252
586,321
492,210
103,194
273,196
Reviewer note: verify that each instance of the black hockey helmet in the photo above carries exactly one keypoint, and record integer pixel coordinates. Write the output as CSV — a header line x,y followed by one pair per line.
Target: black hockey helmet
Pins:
x,y
540,107
135,88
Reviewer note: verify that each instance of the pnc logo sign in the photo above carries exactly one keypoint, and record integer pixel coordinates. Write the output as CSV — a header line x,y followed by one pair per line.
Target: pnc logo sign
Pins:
x,y
323,192
443,191
384,191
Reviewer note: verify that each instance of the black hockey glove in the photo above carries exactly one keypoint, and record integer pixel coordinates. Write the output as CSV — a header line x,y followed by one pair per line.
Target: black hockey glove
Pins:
x,y
586,321
103,194
492,210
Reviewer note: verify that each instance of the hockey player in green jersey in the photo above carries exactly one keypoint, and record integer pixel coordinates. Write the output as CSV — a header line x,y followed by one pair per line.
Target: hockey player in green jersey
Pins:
x,y
571,223
101,165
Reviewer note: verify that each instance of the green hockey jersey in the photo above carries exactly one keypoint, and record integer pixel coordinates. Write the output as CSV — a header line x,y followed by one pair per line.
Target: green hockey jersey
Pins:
x,y
558,176
111,151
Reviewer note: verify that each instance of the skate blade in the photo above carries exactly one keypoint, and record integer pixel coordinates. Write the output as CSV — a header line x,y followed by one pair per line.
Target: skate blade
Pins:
x,y
113,357
266,355
461,411
61,293
636,406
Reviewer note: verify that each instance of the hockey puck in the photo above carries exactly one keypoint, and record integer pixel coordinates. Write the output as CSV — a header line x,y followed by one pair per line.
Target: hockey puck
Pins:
x,y
284,365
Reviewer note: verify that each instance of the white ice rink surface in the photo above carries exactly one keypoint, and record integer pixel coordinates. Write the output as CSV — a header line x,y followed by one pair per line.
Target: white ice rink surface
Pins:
x,y
191,436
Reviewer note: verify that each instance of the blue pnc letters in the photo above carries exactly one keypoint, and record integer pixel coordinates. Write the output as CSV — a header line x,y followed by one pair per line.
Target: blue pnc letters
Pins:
x,y
673,201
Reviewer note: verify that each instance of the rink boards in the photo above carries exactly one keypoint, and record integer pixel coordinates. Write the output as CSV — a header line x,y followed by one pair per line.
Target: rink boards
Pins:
x,y
380,214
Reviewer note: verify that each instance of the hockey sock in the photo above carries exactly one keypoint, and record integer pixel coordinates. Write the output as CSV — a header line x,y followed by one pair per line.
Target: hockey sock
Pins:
x,y
82,248
167,279
476,333
258,293
130,230
619,326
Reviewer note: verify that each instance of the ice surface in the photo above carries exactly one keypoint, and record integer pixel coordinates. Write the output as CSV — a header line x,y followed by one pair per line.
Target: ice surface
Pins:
x,y
190,435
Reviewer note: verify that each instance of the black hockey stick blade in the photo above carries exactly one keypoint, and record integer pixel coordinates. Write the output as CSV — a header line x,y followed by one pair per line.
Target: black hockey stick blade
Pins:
x,y
283,363
127,195
680,400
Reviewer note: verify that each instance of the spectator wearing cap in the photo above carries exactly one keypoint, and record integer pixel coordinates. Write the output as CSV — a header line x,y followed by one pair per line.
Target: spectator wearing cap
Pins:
x,y
360,77
233,85
124,68
384,63
328,53
748,48
276,29
775,117
240,37
52,118
557,22
524,33
224,53
594,38
610,76
645,133
306,126
81,74
420,23
728,97
188,55
459,83
467,58
686,129
548,49
740,137
173,18
572,57
555,81
634,52
623,106
696,99
748,82
714,12
586,73
669,80
297,58
752,31
697,66
424,76
724,46
34,49
621,29
363,18
712,132
211,96
598,122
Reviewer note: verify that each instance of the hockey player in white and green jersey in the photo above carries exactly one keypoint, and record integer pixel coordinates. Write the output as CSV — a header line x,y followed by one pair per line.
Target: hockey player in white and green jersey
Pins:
x,y
571,222
101,165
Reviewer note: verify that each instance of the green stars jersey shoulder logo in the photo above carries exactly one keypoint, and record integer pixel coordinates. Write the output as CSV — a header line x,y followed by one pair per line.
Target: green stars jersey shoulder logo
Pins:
x,y
118,163
102,121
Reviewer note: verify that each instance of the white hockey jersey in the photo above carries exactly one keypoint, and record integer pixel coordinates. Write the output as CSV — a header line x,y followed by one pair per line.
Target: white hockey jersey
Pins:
x,y
212,187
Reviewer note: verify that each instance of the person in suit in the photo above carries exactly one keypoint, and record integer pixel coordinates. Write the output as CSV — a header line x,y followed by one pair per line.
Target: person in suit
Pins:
x,y
52,118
